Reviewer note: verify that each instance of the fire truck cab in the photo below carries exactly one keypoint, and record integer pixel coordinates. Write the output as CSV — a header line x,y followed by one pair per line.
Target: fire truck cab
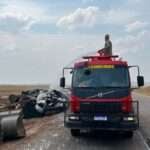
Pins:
x,y
100,96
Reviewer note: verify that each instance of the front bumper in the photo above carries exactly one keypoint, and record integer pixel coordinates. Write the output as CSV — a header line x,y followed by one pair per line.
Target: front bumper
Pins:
x,y
112,123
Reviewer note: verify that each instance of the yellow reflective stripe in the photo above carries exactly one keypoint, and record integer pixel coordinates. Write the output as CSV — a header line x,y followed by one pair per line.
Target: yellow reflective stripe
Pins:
x,y
101,66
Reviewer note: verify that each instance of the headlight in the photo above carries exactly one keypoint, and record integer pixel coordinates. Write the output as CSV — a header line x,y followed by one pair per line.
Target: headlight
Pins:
x,y
128,118
73,117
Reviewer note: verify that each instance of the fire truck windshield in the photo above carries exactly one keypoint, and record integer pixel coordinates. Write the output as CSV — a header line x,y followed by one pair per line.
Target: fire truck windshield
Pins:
x,y
101,77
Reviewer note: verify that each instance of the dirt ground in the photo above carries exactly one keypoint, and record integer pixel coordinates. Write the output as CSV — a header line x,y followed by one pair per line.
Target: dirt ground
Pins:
x,y
144,91
34,127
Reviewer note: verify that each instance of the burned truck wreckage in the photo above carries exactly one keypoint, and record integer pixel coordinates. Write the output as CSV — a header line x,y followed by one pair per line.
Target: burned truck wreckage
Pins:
x,y
39,102
29,104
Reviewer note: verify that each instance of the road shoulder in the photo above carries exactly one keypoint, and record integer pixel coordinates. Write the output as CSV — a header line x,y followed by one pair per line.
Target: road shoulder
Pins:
x,y
144,106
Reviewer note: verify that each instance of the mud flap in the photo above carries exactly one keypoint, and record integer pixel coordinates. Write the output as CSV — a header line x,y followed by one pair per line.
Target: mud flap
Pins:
x,y
11,125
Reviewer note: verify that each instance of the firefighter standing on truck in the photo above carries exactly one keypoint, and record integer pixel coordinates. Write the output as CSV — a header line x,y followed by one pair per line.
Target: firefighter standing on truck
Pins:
x,y
107,50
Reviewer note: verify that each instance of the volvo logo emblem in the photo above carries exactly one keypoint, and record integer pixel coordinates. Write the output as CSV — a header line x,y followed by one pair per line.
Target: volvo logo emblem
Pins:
x,y
100,94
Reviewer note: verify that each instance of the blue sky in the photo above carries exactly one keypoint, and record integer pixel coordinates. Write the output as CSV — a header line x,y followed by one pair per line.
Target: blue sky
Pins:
x,y
38,38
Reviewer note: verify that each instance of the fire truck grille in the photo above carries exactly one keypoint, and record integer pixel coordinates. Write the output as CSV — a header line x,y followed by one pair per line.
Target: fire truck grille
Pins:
x,y
99,107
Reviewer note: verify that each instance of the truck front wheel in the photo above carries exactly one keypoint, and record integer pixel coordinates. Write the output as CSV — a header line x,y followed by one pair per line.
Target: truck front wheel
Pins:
x,y
75,132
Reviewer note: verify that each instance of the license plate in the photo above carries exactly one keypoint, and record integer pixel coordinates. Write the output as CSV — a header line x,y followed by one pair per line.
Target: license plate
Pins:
x,y
100,118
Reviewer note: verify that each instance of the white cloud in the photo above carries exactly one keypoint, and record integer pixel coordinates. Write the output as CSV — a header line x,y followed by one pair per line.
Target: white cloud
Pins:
x,y
132,43
16,16
119,16
80,17
90,16
15,22
135,26
24,8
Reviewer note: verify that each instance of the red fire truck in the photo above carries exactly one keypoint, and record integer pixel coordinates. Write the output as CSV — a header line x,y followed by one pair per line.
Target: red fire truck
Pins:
x,y
100,96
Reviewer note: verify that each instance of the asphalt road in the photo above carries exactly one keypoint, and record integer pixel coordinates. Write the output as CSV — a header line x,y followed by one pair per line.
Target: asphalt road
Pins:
x,y
56,137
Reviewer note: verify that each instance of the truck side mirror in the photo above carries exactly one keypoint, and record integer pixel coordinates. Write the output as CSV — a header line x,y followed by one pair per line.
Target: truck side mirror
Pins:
x,y
140,80
62,82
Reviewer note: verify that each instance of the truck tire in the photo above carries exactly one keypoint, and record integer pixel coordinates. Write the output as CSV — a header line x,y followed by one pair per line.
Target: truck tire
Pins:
x,y
75,132
129,134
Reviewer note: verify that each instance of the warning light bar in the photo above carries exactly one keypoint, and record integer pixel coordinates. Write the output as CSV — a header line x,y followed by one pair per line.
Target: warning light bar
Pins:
x,y
100,57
